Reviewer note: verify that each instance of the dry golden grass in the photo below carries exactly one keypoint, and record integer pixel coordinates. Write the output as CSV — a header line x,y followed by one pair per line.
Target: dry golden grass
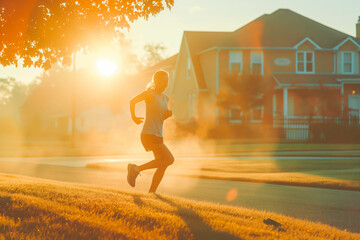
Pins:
x,y
42,209
227,146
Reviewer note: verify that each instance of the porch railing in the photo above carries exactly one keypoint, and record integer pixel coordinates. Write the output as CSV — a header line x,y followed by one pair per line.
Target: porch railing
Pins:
x,y
316,128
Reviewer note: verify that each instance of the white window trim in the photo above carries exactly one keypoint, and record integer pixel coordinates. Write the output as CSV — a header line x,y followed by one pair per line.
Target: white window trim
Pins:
x,y
188,68
305,62
241,61
262,62
307,39
343,62
262,115
230,115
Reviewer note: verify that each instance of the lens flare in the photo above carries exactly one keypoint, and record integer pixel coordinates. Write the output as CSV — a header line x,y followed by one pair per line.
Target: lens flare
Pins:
x,y
231,195
106,67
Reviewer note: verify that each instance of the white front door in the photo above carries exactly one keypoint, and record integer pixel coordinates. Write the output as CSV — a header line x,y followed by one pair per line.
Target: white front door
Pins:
x,y
354,104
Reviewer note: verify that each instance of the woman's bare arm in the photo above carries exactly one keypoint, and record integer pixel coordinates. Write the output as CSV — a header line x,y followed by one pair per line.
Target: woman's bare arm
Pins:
x,y
141,97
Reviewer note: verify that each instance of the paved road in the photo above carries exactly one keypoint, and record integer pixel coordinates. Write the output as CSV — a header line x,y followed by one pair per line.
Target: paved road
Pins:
x,y
337,208
83,161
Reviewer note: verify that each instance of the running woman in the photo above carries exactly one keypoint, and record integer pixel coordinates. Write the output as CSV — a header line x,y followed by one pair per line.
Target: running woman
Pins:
x,y
152,133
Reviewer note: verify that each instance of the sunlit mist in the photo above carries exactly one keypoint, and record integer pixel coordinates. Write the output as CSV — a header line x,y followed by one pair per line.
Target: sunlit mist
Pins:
x,y
106,67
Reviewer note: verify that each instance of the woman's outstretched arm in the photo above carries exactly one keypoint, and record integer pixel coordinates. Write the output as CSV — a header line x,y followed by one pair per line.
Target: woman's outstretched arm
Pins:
x,y
141,97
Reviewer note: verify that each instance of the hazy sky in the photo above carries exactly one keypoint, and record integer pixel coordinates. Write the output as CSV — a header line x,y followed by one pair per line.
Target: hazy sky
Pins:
x,y
225,15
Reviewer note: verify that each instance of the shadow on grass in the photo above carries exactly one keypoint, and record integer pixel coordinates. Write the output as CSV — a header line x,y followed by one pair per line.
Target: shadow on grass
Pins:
x,y
198,228
38,222
138,201
5,201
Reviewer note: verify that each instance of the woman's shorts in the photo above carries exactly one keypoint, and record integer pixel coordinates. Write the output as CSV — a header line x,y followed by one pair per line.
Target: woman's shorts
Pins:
x,y
149,140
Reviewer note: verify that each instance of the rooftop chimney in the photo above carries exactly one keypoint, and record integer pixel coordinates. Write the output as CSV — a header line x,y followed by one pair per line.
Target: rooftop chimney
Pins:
x,y
358,28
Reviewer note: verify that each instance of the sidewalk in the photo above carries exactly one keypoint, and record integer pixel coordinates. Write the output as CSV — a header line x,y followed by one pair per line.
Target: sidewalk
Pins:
x,y
185,147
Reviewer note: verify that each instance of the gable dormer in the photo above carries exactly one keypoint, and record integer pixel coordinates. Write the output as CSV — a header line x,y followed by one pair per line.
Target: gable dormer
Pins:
x,y
348,44
305,56
347,56
307,45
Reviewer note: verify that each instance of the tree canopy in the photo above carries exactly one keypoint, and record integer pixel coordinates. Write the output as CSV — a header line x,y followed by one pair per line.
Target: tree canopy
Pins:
x,y
247,91
43,32
13,92
153,53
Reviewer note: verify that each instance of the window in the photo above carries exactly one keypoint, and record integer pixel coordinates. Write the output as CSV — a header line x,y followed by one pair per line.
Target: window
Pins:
x,y
257,114
305,62
188,67
347,66
235,62
235,114
257,63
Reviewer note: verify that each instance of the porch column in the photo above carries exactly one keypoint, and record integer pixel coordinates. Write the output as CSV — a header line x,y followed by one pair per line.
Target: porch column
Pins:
x,y
217,116
285,101
342,99
274,105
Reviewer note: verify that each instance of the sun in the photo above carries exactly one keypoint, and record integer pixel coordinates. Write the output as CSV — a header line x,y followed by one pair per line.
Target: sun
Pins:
x,y
106,67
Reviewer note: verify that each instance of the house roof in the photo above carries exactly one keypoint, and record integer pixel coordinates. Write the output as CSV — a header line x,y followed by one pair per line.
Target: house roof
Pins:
x,y
311,79
282,28
198,41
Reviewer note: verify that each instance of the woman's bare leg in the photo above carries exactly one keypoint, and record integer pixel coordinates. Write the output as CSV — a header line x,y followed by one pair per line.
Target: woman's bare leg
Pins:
x,y
158,175
163,158
152,164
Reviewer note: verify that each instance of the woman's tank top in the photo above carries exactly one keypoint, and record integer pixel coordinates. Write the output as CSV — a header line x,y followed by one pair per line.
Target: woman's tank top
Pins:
x,y
155,112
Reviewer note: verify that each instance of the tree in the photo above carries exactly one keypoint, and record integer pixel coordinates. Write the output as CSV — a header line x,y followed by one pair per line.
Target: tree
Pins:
x,y
11,90
247,91
6,87
44,32
132,65
154,53
322,100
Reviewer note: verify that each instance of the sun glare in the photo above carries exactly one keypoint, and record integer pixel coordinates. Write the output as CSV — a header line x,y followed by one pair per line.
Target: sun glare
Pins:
x,y
106,67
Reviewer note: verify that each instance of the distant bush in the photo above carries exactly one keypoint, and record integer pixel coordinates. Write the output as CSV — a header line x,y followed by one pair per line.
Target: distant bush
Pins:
x,y
262,132
335,133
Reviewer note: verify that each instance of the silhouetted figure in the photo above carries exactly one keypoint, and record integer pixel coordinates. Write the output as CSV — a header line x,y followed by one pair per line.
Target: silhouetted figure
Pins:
x,y
152,133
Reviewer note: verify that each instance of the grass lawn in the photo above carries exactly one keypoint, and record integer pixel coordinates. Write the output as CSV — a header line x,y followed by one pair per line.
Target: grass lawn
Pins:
x,y
232,146
42,209
340,173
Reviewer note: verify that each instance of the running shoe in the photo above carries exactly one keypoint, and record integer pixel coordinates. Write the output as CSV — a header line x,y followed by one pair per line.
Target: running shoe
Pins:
x,y
133,172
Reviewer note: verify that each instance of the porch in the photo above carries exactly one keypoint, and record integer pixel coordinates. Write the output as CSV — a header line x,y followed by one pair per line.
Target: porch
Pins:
x,y
301,102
